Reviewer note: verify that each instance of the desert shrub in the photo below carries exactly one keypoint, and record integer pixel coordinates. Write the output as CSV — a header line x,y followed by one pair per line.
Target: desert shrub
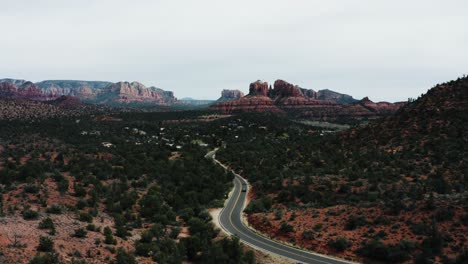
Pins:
x,y
121,231
46,223
85,217
355,222
278,214
420,228
444,214
80,233
286,228
81,204
124,257
175,231
462,258
109,238
91,227
47,258
308,234
261,205
45,244
377,250
318,227
62,186
339,244
31,188
54,209
381,234
30,214
80,191
381,220
464,219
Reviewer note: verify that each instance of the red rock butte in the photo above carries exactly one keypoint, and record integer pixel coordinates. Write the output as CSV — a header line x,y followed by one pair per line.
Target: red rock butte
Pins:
x,y
305,103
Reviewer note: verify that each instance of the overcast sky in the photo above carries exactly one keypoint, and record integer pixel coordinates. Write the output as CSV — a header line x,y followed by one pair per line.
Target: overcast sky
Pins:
x,y
387,50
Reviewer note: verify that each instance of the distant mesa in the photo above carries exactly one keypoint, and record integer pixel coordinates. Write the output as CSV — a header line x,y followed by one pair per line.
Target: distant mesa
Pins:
x,y
126,92
88,91
230,95
304,103
195,102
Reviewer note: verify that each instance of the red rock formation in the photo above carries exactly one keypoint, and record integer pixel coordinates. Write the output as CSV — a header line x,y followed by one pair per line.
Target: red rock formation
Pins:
x,y
285,89
92,91
334,96
302,103
7,89
258,88
29,90
309,93
125,92
232,94
258,103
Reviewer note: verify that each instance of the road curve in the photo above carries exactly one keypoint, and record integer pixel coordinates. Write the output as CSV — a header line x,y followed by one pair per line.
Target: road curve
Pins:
x,y
230,220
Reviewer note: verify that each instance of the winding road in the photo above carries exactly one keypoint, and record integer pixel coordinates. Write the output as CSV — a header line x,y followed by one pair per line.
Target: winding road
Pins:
x,y
230,220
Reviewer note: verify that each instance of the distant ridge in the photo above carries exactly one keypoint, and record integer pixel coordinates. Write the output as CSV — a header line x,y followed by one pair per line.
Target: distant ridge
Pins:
x,y
324,105
99,92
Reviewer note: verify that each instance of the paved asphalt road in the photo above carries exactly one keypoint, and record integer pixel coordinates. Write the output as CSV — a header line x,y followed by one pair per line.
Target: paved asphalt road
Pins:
x,y
230,221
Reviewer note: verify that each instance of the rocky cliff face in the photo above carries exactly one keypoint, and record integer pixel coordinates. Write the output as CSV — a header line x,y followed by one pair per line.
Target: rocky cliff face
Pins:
x,y
7,89
258,88
85,90
305,103
230,95
125,92
284,89
90,91
335,97
256,101
30,91
25,90
14,82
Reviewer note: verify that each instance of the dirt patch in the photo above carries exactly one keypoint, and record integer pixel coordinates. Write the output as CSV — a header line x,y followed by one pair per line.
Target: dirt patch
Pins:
x,y
175,155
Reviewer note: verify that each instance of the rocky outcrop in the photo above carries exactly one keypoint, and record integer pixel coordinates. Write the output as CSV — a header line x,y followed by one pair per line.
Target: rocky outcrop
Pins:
x,y
14,82
284,89
250,103
256,101
90,91
125,92
335,97
230,95
7,89
258,88
85,90
29,90
305,103
194,102
309,93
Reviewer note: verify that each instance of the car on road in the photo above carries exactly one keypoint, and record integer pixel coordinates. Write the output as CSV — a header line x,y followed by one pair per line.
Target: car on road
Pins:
x,y
244,187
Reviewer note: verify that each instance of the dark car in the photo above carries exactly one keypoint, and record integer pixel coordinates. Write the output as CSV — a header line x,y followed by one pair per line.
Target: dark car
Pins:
x,y
244,187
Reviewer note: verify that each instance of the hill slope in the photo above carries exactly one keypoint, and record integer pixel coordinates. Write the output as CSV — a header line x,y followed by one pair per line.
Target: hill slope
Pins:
x,y
391,191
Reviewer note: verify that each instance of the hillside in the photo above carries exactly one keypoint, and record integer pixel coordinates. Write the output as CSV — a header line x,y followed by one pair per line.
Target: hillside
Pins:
x,y
114,188
391,191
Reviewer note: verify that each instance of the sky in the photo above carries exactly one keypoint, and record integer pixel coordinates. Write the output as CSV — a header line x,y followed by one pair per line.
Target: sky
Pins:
x,y
387,50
